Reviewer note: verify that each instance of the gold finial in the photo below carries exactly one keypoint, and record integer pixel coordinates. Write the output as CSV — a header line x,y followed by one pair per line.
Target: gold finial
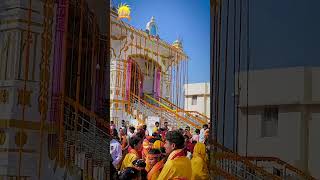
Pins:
x,y
124,11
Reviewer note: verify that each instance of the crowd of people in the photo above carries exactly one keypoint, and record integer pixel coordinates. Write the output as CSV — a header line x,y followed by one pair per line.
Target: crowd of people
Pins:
x,y
162,154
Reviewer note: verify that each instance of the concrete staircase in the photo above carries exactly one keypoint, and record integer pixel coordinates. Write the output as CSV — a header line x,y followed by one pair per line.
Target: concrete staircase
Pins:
x,y
151,107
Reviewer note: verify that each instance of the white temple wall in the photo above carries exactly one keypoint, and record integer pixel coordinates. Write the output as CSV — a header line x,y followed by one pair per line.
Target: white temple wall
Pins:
x,y
13,52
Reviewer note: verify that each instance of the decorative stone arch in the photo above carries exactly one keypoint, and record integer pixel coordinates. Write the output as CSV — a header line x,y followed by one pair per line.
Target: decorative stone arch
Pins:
x,y
147,58
157,74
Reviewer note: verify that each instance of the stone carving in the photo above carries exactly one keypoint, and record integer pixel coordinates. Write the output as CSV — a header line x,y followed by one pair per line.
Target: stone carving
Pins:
x,y
4,96
2,137
21,138
24,97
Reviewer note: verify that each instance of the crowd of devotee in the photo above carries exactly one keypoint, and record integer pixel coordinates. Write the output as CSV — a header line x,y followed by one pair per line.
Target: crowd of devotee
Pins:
x,y
162,154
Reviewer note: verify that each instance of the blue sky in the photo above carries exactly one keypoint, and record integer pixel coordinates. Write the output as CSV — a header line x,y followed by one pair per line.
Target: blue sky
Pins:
x,y
188,19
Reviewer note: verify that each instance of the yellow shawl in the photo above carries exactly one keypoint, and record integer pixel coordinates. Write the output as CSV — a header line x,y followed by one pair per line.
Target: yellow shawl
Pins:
x,y
198,163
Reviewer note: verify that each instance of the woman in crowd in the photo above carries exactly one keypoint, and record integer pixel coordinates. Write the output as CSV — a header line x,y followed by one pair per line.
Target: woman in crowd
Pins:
x,y
188,146
199,163
196,136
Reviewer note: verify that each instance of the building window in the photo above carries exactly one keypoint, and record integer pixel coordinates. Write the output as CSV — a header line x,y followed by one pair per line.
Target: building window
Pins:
x,y
269,125
194,100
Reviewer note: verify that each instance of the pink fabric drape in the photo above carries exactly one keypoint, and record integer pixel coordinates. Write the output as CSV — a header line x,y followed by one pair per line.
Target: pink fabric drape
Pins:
x,y
59,51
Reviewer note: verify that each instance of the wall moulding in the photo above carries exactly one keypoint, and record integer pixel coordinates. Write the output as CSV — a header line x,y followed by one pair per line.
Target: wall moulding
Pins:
x,y
4,96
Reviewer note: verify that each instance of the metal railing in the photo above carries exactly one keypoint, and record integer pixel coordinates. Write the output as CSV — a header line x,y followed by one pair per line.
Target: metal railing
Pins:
x,y
172,107
192,114
279,167
270,166
239,167
82,132
173,118
86,137
149,110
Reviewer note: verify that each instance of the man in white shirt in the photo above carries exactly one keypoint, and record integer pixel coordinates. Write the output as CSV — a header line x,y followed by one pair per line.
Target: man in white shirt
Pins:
x,y
202,133
131,131
115,149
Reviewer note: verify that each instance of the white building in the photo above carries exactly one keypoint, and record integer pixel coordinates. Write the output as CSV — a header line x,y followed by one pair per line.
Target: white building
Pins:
x,y
283,116
197,98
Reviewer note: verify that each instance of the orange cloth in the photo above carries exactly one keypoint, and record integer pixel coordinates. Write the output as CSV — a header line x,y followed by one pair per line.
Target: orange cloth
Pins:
x,y
129,158
177,166
155,171
139,151
199,163
148,167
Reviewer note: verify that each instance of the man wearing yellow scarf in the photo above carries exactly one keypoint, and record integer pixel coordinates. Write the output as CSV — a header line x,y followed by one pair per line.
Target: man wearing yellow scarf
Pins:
x,y
198,162
177,166
135,143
